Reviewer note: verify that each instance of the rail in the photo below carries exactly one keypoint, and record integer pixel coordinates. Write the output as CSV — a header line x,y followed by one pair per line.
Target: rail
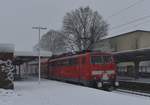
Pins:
x,y
132,92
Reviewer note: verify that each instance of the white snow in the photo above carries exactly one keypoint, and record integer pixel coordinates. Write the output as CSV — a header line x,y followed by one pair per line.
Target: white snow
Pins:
x,y
58,93
32,53
7,47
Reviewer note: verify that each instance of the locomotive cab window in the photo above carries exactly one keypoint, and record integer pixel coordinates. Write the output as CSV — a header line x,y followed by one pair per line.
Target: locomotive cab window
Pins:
x,y
107,59
96,60
101,59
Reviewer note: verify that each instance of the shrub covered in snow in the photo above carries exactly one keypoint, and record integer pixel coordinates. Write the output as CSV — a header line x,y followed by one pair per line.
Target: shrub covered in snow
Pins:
x,y
6,74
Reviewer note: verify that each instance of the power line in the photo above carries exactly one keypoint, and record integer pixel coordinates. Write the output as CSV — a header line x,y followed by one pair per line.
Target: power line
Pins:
x,y
130,22
125,9
141,23
132,26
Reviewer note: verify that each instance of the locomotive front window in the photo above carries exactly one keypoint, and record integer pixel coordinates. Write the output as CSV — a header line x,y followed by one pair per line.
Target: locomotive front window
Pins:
x,y
96,60
107,59
101,59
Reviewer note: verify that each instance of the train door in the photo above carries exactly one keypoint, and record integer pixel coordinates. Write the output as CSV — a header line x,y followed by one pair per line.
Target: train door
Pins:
x,y
82,68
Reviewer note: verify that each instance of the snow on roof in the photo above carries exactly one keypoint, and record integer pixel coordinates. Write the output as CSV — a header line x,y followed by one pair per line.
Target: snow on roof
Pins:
x,y
6,47
34,53
112,36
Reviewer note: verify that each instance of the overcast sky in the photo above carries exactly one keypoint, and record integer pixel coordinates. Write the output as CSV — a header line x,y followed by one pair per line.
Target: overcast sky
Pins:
x,y
17,17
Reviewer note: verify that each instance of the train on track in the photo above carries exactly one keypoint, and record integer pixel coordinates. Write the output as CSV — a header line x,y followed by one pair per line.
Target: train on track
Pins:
x,y
88,68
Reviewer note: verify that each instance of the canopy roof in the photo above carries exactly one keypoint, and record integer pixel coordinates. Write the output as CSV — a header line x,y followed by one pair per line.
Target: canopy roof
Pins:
x,y
21,57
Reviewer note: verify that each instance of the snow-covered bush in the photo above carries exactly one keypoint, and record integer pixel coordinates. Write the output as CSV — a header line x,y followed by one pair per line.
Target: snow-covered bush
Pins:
x,y
6,74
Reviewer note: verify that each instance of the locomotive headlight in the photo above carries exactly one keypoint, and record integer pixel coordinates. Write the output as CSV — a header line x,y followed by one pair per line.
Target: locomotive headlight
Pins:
x,y
99,84
116,83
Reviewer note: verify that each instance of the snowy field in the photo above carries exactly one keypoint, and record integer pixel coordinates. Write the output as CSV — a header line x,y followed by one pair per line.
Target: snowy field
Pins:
x,y
58,93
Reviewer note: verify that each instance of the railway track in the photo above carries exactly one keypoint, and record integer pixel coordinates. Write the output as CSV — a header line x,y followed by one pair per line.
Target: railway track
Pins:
x,y
132,92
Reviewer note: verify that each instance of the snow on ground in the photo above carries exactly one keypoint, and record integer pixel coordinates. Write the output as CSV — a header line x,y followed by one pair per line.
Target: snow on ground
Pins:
x,y
57,93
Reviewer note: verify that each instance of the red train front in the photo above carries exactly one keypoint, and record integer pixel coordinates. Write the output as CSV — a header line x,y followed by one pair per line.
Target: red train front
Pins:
x,y
90,68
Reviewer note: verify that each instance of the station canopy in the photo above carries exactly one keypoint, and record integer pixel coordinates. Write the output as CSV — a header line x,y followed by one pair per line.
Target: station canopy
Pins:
x,y
21,57
142,54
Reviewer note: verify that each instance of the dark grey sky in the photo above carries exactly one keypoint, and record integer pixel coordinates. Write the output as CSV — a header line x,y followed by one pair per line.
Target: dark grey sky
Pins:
x,y
17,17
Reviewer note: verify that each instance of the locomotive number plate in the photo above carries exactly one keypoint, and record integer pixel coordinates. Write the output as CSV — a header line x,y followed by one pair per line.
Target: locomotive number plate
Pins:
x,y
96,72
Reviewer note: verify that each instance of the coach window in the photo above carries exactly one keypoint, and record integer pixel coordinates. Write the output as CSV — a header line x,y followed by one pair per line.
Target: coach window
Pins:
x,y
53,64
58,63
72,61
65,62
61,63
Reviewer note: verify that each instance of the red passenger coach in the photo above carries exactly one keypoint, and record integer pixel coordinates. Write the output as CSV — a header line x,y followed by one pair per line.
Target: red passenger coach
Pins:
x,y
90,68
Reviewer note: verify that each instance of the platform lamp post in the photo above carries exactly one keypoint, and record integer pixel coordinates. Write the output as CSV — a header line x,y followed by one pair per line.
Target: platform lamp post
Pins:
x,y
39,30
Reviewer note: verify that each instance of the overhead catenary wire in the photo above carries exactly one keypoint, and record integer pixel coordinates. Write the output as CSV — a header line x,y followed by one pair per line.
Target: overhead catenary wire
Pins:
x,y
145,22
142,23
125,9
130,22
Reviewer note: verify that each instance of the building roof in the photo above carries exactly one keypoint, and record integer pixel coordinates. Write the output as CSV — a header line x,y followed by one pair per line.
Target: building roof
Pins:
x,y
108,37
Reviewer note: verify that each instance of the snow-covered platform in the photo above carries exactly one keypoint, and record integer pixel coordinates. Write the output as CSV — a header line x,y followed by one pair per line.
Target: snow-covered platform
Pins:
x,y
57,93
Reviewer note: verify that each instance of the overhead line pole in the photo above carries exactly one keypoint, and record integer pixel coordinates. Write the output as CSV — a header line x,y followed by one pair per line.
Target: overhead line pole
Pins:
x,y
39,31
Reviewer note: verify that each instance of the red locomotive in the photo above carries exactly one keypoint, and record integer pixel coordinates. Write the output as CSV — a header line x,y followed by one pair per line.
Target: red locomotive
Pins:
x,y
90,68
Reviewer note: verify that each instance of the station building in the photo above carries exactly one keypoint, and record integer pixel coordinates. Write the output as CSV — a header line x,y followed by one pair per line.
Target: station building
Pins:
x,y
131,51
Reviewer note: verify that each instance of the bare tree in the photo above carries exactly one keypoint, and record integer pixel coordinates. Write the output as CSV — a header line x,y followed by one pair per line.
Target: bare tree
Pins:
x,y
53,41
83,27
